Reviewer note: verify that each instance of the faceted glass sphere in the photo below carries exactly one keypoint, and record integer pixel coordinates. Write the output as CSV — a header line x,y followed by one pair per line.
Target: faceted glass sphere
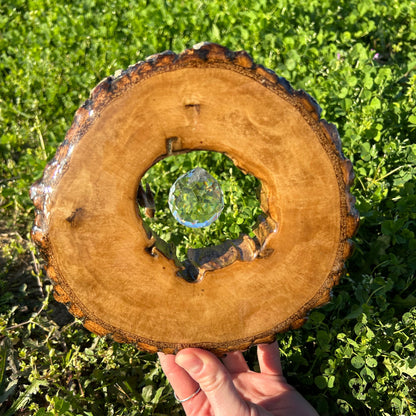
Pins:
x,y
196,199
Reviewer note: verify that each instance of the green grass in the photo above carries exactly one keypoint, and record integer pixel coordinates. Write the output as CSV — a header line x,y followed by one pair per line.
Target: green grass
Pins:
x,y
241,205
356,355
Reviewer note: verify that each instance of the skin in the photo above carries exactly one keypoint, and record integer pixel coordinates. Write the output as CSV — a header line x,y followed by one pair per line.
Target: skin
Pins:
x,y
229,387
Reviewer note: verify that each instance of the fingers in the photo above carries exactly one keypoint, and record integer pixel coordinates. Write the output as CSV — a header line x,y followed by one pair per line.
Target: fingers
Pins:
x,y
269,359
183,385
215,381
235,362
193,368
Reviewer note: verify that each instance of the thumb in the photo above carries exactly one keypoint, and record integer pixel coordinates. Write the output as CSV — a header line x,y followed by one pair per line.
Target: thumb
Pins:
x,y
215,381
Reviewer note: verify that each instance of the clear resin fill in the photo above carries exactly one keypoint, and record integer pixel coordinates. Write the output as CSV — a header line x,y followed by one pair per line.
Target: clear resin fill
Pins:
x,y
196,199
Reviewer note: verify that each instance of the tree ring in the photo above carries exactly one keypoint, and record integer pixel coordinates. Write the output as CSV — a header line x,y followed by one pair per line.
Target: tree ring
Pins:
x,y
210,98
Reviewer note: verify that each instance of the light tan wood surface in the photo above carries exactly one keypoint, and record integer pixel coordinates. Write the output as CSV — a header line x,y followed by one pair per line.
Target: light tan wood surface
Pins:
x,y
208,98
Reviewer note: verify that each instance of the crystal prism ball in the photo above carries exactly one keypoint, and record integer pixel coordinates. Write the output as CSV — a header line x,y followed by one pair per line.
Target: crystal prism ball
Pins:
x,y
196,199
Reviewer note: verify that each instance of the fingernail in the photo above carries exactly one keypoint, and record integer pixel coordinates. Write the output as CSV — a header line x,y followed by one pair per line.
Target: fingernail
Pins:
x,y
190,362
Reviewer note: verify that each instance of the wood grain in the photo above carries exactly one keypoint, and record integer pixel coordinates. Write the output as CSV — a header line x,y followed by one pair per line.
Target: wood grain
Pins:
x,y
88,228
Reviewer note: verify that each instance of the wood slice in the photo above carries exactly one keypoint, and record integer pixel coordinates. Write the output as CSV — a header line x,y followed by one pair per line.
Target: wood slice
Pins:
x,y
89,229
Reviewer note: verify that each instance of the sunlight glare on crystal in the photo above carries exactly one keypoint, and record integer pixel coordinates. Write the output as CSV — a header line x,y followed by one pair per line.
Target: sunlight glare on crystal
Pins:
x,y
196,199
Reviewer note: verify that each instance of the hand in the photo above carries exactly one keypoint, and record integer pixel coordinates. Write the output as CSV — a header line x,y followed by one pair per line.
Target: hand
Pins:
x,y
230,388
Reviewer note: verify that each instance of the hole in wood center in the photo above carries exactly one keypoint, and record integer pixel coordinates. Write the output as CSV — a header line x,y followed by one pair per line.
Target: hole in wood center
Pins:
x,y
241,228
